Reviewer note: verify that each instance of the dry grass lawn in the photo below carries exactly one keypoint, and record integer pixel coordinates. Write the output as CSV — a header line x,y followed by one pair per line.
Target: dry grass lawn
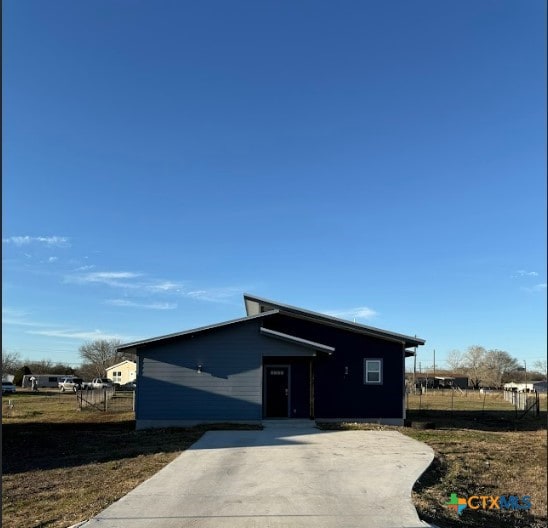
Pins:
x,y
62,465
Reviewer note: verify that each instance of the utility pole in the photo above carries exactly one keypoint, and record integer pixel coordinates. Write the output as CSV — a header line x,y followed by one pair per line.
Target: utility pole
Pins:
x,y
525,363
414,370
434,363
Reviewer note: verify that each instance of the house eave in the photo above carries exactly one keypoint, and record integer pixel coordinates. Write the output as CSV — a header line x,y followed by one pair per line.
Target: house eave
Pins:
x,y
254,305
305,343
145,342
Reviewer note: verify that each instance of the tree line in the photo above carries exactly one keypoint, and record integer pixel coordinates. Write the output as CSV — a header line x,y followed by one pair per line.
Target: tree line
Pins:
x,y
492,368
96,357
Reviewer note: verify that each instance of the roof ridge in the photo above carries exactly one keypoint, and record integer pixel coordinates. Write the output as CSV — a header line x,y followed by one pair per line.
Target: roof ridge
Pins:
x,y
344,322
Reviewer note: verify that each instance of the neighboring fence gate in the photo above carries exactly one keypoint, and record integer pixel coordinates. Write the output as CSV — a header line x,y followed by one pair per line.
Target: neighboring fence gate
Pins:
x,y
97,398
523,401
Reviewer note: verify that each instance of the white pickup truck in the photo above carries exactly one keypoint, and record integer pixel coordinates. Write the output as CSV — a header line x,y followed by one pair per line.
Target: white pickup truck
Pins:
x,y
97,383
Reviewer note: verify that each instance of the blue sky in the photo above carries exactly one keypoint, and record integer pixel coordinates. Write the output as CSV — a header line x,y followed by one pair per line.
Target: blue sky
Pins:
x,y
384,161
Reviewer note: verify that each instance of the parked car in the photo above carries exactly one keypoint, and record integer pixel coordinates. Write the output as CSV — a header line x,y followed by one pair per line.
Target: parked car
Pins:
x,y
70,384
8,387
130,386
99,383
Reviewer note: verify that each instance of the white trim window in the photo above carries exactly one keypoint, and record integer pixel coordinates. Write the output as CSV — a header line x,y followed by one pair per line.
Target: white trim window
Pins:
x,y
372,371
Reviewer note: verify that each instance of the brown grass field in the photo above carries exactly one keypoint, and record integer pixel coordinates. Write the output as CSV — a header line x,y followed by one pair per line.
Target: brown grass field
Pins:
x,y
62,465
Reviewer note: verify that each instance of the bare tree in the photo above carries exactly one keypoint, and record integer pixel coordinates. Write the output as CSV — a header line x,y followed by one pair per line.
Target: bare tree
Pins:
x,y
47,366
497,364
474,364
87,371
10,362
43,366
455,360
541,366
100,354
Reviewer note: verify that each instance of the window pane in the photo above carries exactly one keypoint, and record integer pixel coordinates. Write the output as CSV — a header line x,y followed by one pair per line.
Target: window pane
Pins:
x,y
373,371
373,377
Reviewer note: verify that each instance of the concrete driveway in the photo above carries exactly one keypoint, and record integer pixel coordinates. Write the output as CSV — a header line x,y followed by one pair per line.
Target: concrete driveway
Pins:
x,y
280,477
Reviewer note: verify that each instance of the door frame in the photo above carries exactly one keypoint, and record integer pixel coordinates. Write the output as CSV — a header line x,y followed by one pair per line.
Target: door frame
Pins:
x,y
265,378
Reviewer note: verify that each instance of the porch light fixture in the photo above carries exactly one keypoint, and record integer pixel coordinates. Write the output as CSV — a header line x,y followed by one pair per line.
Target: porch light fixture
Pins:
x,y
346,370
199,368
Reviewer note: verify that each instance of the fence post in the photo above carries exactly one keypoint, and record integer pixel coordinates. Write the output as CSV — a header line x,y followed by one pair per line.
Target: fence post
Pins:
x,y
452,398
134,391
516,402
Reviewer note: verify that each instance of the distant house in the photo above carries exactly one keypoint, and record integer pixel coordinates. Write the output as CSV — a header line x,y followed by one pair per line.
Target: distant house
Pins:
x,y
537,386
123,372
442,382
278,362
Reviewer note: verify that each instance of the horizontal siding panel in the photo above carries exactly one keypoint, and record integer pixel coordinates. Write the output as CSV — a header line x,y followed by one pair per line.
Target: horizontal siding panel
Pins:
x,y
229,387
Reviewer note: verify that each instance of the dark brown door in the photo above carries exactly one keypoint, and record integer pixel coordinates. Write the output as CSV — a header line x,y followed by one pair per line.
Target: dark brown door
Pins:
x,y
277,392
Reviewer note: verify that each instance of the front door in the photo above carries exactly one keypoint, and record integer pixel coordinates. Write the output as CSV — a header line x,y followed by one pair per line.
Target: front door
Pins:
x,y
277,391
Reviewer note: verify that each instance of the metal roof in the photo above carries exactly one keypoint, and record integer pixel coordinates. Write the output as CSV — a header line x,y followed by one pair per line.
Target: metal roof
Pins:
x,y
196,330
255,305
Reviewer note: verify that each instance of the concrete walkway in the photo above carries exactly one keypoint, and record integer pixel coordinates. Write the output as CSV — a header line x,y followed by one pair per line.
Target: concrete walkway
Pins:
x,y
280,477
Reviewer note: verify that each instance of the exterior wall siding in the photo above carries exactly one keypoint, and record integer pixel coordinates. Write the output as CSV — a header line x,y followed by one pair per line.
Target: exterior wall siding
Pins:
x,y
341,395
230,387
128,371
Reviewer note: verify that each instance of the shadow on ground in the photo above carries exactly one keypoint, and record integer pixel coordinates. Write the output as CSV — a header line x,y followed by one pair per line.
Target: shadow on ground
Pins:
x,y
479,420
44,446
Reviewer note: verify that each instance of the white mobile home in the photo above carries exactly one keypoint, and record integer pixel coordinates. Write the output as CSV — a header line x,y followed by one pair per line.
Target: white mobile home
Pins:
x,y
44,380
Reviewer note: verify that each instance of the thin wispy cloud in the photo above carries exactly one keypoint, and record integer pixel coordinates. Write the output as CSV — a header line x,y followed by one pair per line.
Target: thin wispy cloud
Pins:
x,y
52,241
536,288
117,279
361,312
142,285
15,317
53,259
100,276
123,303
525,273
80,335
13,312
220,295
165,286
85,268
21,322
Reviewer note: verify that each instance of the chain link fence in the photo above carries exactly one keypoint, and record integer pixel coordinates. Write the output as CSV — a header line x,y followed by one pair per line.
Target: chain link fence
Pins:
x,y
51,404
485,401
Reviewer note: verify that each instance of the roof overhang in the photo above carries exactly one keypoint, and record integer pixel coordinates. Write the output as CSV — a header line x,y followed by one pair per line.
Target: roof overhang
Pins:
x,y
257,305
121,363
132,347
311,346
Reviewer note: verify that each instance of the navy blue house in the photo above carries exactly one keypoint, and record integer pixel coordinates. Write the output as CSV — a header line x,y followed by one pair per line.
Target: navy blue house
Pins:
x,y
278,362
